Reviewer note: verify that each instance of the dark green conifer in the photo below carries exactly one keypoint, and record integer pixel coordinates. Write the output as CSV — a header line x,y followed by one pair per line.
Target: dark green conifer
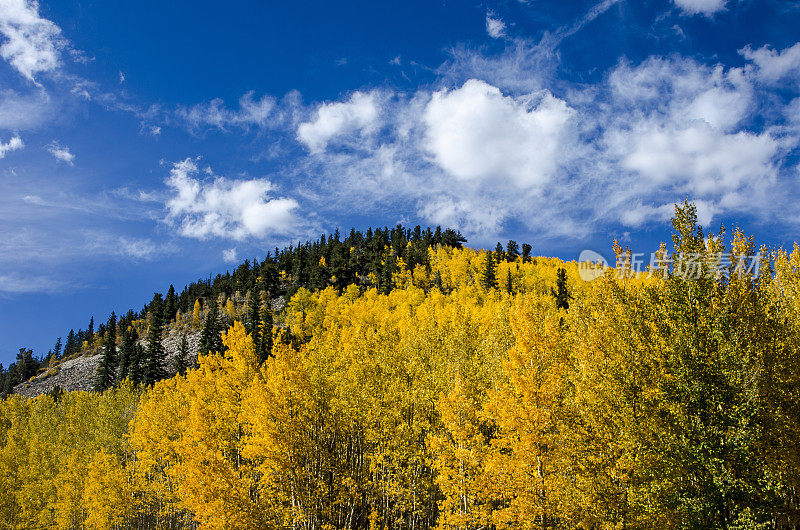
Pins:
x,y
170,305
182,358
561,292
264,344
526,252
127,353
106,370
155,354
488,276
512,250
211,335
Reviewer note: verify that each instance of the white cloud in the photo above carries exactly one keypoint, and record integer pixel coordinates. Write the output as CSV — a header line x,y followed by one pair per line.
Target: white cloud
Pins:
x,y
677,127
229,255
61,152
31,42
16,284
340,119
22,112
12,145
475,133
495,27
700,7
773,65
225,208
251,112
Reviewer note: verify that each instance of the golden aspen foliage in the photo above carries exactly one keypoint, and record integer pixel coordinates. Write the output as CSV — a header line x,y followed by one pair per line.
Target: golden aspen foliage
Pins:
x,y
197,315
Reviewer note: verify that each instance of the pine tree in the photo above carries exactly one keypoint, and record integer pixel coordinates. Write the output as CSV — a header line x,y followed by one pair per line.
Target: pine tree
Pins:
x,y
57,348
182,358
509,282
561,293
526,252
155,354
211,336
106,371
89,336
127,354
488,277
170,305
264,344
70,346
499,253
512,250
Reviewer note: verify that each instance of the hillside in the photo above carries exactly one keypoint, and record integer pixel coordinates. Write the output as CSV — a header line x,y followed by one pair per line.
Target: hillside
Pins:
x,y
368,259
485,390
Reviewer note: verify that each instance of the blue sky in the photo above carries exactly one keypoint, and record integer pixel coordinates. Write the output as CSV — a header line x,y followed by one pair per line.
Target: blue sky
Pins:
x,y
149,143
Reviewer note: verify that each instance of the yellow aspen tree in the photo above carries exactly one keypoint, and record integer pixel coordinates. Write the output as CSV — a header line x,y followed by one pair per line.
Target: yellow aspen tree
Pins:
x,y
460,451
197,315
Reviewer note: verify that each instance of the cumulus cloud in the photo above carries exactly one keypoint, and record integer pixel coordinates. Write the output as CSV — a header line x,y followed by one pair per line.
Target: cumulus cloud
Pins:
x,y
13,144
251,112
235,209
700,7
773,65
31,43
677,127
229,255
495,27
60,152
332,121
477,133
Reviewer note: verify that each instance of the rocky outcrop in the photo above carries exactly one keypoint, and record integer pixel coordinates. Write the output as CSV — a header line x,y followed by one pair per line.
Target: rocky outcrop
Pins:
x,y
78,373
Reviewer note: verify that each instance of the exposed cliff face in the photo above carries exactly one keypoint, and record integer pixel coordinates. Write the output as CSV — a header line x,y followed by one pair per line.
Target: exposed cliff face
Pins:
x,y
78,373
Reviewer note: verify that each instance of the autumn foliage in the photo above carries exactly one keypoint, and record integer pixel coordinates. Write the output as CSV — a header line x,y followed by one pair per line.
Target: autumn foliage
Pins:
x,y
653,401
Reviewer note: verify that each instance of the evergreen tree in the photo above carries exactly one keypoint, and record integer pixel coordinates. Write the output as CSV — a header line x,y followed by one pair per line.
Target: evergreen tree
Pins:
x,y
89,335
155,354
106,371
512,250
264,344
387,274
499,253
70,346
488,276
561,292
170,305
251,324
526,252
128,353
211,335
57,348
182,358
509,283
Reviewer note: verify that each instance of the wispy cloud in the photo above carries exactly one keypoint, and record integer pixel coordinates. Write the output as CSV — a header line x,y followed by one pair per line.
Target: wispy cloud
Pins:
x,y
19,284
700,7
60,152
495,27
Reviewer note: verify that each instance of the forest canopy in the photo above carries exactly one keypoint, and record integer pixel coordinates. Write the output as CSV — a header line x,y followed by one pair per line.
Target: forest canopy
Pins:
x,y
482,390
